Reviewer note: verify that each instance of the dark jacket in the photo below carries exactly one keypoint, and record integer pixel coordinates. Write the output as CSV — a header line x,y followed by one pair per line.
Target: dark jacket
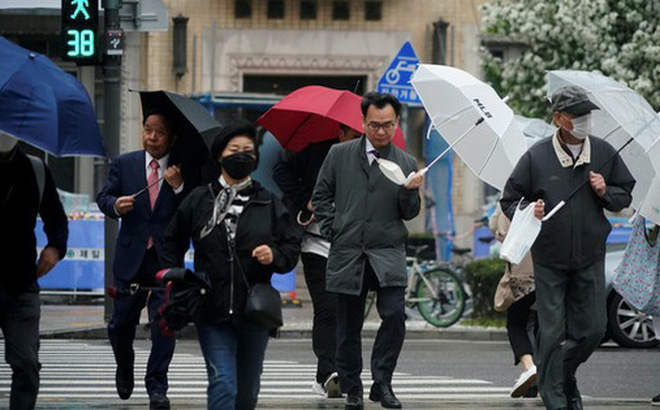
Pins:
x,y
361,213
296,173
575,237
264,220
127,176
19,198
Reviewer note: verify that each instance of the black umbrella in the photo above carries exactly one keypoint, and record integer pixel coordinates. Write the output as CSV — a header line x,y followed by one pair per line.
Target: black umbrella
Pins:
x,y
185,291
194,126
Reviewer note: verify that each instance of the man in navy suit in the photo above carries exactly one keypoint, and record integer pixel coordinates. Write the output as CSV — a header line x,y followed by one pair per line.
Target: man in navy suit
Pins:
x,y
139,250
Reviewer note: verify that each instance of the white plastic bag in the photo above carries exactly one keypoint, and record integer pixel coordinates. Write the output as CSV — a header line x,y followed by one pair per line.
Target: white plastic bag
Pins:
x,y
524,230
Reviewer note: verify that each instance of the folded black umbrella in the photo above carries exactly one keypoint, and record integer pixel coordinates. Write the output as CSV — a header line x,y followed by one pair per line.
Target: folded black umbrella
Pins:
x,y
185,292
193,125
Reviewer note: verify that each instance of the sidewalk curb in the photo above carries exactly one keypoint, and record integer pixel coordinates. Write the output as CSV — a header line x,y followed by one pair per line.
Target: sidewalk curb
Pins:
x,y
297,332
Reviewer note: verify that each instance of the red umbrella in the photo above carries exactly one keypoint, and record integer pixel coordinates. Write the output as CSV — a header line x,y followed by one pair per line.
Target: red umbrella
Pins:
x,y
313,114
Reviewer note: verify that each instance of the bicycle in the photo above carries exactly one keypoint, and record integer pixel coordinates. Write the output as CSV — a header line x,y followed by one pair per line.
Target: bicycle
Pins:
x,y
460,258
435,291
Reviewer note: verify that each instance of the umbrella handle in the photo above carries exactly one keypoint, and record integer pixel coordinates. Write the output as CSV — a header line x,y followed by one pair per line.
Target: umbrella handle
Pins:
x,y
453,144
422,172
556,209
143,190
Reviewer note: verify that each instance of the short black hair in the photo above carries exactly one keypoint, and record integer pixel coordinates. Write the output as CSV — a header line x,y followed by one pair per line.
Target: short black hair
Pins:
x,y
380,100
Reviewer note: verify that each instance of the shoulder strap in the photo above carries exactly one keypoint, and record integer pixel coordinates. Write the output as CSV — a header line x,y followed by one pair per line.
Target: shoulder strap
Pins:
x,y
40,174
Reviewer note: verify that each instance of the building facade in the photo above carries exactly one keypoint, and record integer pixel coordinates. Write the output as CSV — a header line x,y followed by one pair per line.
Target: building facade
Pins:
x,y
275,46
216,48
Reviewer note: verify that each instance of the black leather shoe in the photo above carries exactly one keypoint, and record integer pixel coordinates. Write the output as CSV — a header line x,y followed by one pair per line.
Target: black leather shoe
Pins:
x,y
573,398
159,401
124,382
383,393
354,402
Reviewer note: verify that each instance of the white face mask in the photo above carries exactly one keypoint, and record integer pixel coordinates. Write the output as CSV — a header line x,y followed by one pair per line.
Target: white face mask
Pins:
x,y
581,126
7,142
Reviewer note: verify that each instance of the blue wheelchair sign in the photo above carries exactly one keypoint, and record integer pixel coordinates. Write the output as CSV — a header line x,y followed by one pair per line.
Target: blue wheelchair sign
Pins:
x,y
396,80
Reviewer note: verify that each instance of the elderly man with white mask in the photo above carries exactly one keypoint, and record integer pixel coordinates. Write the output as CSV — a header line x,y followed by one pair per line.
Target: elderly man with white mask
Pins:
x,y
569,253
26,189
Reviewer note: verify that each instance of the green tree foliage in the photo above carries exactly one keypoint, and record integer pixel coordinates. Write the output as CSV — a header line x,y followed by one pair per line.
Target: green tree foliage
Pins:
x,y
482,276
618,38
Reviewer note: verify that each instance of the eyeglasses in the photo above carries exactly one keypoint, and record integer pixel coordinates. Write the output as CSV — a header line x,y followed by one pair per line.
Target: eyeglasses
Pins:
x,y
387,127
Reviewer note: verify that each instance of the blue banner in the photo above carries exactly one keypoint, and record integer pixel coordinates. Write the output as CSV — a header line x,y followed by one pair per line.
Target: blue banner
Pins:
x,y
439,214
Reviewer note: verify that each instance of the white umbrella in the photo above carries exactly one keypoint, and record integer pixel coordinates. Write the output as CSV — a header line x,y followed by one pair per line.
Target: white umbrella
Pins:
x,y
623,115
473,119
534,129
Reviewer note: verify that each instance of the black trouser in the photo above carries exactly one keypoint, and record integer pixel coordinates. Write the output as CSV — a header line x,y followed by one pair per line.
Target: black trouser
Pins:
x,y
572,320
19,321
390,303
517,317
324,328
125,318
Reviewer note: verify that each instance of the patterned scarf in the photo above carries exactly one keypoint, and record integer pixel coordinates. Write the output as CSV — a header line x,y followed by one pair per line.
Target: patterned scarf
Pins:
x,y
222,203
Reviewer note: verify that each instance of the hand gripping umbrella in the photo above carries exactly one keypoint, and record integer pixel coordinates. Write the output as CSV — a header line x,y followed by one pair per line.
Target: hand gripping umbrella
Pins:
x,y
628,122
45,106
473,119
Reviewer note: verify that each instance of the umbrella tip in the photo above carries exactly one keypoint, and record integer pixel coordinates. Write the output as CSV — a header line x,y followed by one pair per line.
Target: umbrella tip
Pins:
x,y
32,56
505,99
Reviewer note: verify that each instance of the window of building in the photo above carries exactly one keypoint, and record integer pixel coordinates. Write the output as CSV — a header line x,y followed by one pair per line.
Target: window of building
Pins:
x,y
373,10
275,9
243,9
308,10
340,10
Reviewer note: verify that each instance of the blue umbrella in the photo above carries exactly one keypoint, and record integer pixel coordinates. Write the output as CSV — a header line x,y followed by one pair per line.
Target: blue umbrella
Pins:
x,y
44,106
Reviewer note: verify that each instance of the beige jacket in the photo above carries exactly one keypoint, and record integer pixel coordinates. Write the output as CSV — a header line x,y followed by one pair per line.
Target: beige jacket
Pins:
x,y
518,280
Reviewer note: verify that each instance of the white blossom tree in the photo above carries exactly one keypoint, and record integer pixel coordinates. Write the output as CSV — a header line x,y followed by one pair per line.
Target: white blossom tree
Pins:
x,y
618,38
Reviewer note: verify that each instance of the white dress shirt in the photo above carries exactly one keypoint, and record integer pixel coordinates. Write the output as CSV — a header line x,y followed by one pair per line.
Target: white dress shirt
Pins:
x,y
369,147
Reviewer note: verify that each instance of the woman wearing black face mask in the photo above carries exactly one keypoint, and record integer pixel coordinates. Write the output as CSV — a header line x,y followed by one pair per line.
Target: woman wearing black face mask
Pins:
x,y
242,234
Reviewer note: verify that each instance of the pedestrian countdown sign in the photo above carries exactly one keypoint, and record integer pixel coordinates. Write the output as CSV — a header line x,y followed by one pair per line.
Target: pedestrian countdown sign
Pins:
x,y
396,79
80,21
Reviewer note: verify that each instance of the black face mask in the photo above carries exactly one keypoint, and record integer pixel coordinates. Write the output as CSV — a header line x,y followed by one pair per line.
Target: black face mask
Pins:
x,y
238,165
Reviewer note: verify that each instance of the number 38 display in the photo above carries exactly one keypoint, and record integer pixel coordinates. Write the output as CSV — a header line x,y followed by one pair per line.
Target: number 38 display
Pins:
x,y
80,19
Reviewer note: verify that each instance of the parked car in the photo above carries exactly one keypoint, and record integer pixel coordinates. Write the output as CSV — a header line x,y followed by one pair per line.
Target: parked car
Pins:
x,y
625,325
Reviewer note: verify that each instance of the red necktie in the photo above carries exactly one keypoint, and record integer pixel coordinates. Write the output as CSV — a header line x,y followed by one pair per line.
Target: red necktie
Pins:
x,y
153,185
153,190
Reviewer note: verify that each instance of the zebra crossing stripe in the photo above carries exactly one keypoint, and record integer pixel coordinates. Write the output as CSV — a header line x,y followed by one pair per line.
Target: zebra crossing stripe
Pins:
x,y
75,370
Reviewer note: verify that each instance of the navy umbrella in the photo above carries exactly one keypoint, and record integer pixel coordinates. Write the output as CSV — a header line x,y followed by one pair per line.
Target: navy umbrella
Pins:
x,y
44,106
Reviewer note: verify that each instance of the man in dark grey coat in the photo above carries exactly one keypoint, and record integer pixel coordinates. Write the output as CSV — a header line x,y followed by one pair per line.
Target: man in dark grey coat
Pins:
x,y
361,212
569,254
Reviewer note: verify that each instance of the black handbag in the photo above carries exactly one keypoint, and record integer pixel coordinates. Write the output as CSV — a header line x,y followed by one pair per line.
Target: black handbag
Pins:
x,y
264,306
